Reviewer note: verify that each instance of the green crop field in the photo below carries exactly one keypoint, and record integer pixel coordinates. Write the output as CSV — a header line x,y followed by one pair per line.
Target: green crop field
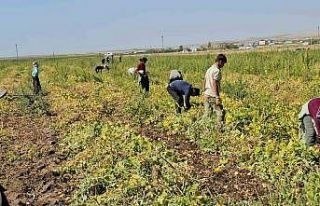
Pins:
x,y
95,139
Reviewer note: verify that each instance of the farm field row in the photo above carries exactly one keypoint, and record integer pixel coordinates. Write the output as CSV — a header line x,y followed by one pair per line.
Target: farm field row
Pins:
x,y
112,145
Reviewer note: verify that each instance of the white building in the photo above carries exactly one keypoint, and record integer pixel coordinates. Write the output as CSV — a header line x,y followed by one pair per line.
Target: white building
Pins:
x,y
262,42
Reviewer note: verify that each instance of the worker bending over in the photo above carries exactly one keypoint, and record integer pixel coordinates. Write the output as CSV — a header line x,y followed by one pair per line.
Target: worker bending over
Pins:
x,y
181,91
309,118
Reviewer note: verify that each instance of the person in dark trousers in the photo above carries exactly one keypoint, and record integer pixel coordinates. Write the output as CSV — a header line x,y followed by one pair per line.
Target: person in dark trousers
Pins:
x,y
143,75
120,58
112,58
213,103
35,78
3,198
181,91
108,59
309,118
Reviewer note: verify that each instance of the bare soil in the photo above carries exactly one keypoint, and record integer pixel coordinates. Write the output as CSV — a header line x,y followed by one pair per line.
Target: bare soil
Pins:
x,y
29,159
230,180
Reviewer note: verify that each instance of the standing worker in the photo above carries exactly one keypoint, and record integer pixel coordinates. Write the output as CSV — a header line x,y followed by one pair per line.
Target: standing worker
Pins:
x,y
35,78
309,117
213,101
120,58
108,59
143,75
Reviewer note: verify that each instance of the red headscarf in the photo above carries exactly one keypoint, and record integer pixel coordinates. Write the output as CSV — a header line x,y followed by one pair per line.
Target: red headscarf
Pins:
x,y
314,110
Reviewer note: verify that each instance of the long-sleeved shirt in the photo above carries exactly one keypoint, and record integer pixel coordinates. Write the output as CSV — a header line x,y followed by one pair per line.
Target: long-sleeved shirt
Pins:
x,y
312,108
35,71
141,68
182,87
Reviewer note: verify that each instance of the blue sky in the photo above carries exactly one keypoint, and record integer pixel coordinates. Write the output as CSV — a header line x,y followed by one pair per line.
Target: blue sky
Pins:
x,y
69,26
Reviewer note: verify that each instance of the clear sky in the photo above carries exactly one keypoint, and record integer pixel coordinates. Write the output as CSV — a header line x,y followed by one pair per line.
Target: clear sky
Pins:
x,y
69,26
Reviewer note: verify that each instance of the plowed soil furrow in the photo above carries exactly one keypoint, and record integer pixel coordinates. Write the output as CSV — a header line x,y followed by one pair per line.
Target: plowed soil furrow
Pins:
x,y
205,168
29,158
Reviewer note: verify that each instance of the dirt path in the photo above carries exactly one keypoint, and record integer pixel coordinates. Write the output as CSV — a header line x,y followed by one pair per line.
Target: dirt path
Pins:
x,y
28,159
204,167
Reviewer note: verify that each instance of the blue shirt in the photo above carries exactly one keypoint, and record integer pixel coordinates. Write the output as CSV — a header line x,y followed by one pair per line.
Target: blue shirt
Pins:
x,y
35,71
181,86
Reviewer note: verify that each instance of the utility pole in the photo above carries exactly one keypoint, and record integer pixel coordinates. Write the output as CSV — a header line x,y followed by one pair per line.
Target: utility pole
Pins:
x,y
53,56
17,52
162,42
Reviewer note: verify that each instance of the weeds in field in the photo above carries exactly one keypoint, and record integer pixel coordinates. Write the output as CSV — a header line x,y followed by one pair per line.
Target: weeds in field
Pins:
x,y
127,147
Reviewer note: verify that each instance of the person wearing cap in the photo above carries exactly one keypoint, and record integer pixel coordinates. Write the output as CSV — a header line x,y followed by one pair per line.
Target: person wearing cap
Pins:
x,y
181,91
213,103
143,75
309,117
175,75
35,78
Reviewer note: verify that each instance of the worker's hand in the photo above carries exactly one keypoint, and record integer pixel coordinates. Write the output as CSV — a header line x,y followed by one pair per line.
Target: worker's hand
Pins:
x,y
218,101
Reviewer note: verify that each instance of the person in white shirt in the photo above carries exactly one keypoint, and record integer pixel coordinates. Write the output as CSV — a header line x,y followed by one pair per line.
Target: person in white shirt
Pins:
x,y
132,71
213,103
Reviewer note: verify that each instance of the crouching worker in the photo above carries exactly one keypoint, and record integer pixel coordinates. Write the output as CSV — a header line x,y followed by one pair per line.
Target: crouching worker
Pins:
x,y
132,71
309,117
35,78
181,91
102,67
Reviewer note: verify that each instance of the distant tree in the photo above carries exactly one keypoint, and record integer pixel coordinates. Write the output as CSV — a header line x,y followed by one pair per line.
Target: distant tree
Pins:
x,y
209,45
169,50
228,46
203,48
231,46
180,48
222,46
